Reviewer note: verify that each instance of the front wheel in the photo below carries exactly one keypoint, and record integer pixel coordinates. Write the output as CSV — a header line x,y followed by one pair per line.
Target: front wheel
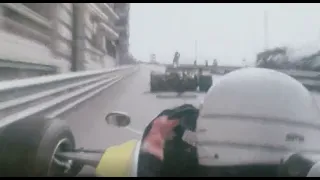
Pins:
x,y
28,148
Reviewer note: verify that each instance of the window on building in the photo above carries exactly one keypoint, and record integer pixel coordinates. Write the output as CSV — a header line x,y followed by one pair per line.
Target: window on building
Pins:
x,y
111,49
103,43
94,23
94,31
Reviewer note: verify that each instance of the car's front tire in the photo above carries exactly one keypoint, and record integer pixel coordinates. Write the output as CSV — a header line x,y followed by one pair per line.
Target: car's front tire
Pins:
x,y
28,147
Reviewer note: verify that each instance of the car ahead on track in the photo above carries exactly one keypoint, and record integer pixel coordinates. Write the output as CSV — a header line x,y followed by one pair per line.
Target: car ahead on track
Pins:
x,y
172,81
179,79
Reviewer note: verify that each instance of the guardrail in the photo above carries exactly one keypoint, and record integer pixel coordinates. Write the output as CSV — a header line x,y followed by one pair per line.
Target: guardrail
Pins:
x,y
50,96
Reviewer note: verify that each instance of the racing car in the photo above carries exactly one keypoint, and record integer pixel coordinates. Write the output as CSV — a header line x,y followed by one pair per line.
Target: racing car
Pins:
x,y
173,80
180,78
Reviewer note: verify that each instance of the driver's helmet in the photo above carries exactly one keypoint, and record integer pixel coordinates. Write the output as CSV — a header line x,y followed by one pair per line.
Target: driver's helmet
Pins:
x,y
251,119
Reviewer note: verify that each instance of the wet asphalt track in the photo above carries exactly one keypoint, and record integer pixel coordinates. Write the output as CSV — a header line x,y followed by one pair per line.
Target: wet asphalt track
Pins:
x,y
130,95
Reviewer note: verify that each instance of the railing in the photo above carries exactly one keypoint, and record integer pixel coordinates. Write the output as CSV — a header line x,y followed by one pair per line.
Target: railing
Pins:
x,y
29,13
94,8
21,20
50,96
112,35
109,8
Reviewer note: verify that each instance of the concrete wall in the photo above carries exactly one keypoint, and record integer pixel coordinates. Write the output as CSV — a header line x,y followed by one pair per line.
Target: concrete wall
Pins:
x,y
47,35
62,33
26,43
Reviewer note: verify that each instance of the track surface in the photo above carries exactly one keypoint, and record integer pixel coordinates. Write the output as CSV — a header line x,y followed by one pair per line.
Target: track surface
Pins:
x,y
130,95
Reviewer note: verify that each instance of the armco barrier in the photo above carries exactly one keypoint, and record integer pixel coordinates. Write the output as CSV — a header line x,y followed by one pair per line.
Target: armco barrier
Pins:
x,y
50,96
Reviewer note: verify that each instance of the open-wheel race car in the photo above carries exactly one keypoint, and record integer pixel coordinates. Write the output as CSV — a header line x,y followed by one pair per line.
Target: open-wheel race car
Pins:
x,y
180,79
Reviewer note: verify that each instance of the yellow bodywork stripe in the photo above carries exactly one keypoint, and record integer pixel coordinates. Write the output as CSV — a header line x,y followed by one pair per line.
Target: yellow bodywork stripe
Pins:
x,y
117,160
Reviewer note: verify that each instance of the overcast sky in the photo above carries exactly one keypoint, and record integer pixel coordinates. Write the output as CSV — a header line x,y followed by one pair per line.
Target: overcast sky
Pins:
x,y
228,32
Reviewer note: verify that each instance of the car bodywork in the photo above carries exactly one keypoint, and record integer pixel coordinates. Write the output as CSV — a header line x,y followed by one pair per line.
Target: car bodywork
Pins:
x,y
180,79
172,81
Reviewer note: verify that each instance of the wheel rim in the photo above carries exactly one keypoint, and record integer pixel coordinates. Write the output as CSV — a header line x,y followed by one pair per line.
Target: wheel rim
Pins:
x,y
57,165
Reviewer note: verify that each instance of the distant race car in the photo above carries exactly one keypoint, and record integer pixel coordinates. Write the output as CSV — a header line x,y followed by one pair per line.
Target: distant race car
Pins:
x,y
179,80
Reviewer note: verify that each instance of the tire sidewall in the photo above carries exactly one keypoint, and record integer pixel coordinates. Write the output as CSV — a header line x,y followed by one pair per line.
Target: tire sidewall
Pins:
x,y
27,146
53,135
205,83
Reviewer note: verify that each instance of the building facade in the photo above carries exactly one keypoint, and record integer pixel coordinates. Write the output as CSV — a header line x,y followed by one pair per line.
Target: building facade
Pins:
x,y
46,38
